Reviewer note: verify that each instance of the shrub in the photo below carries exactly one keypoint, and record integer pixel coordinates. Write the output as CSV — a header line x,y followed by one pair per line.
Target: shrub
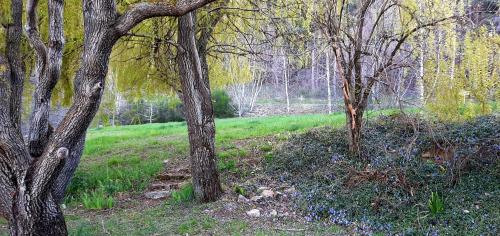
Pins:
x,y
222,104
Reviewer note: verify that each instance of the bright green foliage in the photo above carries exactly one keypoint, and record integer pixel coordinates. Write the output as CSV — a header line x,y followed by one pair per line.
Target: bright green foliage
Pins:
x,y
480,68
97,200
435,204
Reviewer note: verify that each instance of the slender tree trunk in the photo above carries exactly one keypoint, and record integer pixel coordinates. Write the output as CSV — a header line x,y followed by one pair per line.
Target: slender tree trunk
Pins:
x,y
285,78
420,80
328,82
313,66
196,97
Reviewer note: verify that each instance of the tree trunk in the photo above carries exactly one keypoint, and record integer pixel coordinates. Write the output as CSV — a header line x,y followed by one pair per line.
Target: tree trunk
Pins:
x,y
285,78
42,218
354,130
328,82
197,101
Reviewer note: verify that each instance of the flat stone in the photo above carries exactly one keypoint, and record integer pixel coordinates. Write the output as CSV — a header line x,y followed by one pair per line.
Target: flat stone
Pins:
x,y
253,213
268,193
155,195
256,198
260,189
290,190
242,198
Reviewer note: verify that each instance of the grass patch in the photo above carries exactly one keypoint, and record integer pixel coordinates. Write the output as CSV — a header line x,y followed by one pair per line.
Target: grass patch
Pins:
x,y
125,159
185,194
97,200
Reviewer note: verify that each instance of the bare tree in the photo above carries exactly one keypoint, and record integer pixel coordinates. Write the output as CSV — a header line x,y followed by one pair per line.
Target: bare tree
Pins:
x,y
27,181
365,48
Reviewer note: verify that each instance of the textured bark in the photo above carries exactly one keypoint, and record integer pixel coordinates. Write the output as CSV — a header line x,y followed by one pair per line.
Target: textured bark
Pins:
x,y
33,185
199,114
47,72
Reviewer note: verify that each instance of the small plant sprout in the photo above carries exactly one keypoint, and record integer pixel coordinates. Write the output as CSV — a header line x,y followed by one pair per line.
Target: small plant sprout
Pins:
x,y
436,204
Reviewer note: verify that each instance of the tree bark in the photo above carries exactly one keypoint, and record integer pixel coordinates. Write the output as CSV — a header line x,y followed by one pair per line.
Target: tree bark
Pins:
x,y
32,186
197,101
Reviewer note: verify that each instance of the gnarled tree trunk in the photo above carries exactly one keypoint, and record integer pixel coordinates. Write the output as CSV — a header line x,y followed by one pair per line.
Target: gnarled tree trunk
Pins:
x,y
33,177
197,101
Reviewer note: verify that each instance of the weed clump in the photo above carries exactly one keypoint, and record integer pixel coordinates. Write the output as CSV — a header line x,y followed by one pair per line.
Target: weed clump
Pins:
x,y
404,160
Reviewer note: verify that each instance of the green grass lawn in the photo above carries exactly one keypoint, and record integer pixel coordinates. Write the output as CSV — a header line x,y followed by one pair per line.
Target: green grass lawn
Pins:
x,y
125,159
120,159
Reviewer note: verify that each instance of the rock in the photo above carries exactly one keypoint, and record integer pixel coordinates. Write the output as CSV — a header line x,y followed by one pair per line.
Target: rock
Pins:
x,y
160,186
256,198
230,206
253,213
155,195
273,213
260,189
242,198
267,194
290,190
63,206
466,211
284,214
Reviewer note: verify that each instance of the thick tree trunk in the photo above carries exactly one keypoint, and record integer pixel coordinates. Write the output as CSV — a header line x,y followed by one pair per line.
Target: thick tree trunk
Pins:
x,y
32,186
42,218
197,101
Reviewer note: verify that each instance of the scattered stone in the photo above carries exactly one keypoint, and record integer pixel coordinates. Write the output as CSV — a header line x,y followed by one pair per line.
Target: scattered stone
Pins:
x,y
284,214
273,213
256,198
260,189
155,195
160,186
63,206
268,194
466,211
290,190
230,206
253,213
242,198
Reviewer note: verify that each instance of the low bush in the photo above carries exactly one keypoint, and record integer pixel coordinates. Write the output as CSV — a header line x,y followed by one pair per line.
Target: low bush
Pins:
x,y
222,104
404,160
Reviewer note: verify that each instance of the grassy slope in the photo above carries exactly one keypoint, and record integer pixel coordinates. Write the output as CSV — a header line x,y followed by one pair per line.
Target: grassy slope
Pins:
x,y
126,158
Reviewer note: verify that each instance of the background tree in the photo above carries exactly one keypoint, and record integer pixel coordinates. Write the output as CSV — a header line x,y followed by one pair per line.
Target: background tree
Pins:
x,y
366,37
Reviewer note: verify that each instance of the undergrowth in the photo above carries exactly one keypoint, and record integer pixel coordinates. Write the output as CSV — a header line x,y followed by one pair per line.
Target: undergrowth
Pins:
x,y
405,159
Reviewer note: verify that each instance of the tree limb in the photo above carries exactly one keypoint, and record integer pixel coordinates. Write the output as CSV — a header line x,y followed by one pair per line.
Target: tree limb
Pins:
x,y
146,10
